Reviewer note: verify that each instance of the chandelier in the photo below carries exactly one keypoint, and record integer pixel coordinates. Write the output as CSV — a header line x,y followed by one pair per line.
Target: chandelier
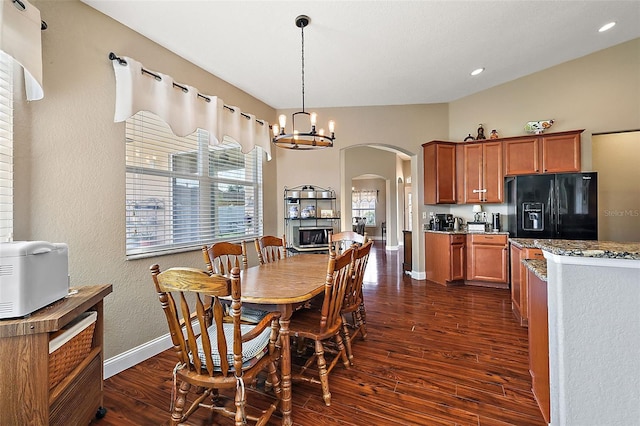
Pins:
x,y
296,139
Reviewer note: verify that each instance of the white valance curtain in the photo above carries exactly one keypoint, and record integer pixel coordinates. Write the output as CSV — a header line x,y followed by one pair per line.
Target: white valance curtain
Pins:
x,y
183,108
20,38
368,196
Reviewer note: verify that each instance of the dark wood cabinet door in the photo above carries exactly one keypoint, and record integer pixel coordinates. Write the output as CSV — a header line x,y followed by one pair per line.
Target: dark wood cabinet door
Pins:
x,y
487,258
539,343
516,282
457,259
561,153
472,173
521,156
439,172
492,177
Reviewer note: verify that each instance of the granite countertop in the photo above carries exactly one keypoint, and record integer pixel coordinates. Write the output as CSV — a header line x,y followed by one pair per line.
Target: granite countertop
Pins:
x,y
599,249
525,243
538,266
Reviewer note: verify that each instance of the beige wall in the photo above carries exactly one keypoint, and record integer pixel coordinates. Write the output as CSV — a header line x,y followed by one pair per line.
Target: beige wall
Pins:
x,y
615,158
599,93
69,155
69,162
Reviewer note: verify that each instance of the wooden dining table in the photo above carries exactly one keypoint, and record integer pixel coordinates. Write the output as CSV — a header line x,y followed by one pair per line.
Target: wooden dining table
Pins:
x,y
284,285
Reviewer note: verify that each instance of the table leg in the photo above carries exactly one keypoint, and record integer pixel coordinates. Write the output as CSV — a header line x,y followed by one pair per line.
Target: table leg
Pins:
x,y
285,369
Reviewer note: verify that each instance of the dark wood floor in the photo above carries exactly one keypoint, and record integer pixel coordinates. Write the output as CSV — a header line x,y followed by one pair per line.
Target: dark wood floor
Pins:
x,y
434,356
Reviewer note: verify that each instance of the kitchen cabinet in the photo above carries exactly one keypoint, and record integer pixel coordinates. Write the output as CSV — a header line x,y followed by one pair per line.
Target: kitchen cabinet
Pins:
x,y
539,343
519,284
24,362
545,153
561,153
445,257
439,172
483,179
487,259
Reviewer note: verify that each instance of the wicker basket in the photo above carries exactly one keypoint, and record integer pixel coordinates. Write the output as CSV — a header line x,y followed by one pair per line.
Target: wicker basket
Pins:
x,y
70,346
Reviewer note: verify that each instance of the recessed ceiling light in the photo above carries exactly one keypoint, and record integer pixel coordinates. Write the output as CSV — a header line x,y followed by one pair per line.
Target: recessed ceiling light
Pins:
x,y
606,27
477,71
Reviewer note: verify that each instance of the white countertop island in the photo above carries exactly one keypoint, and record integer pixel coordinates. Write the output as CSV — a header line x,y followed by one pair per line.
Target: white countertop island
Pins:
x,y
594,331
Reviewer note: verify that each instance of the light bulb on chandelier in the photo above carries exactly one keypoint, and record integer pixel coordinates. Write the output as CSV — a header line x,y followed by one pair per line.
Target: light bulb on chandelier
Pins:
x,y
296,139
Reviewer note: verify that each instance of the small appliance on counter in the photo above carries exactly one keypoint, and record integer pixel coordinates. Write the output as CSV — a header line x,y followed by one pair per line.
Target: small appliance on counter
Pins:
x,y
439,221
34,274
477,226
495,222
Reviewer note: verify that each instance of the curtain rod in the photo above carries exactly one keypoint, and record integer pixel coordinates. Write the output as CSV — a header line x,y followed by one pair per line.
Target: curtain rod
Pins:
x,y
114,57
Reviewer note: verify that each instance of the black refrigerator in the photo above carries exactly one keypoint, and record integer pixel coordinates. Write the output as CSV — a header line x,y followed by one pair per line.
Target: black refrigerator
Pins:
x,y
561,206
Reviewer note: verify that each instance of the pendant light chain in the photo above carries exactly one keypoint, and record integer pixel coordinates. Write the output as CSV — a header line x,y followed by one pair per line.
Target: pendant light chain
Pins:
x,y
302,30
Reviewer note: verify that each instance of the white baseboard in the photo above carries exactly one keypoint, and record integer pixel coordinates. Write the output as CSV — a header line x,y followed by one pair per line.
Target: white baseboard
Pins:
x,y
418,275
133,356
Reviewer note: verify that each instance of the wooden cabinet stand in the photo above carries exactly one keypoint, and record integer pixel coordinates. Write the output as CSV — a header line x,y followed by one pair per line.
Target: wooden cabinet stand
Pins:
x,y
407,262
25,397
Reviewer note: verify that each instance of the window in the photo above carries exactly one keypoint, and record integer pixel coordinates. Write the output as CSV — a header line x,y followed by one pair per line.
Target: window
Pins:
x,y
183,193
6,147
363,205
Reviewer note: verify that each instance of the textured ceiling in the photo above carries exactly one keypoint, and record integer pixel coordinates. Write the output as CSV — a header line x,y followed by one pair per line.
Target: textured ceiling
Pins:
x,y
361,53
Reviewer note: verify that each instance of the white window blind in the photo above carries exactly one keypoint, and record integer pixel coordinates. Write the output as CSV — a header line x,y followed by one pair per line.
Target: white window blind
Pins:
x,y
182,192
6,147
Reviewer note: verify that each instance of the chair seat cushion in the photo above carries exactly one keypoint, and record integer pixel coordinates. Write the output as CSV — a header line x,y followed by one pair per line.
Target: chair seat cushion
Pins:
x,y
252,350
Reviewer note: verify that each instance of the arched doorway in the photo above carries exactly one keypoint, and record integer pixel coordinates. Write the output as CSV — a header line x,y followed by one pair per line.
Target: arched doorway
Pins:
x,y
386,163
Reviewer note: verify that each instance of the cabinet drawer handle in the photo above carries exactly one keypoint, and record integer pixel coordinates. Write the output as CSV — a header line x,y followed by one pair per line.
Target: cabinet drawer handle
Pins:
x,y
475,191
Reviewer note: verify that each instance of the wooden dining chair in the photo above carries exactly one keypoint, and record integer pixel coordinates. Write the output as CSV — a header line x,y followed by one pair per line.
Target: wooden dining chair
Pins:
x,y
324,326
214,354
270,248
221,257
340,241
353,304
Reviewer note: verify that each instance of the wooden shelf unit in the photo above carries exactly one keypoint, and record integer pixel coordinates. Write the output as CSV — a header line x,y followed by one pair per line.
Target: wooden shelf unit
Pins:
x,y
24,362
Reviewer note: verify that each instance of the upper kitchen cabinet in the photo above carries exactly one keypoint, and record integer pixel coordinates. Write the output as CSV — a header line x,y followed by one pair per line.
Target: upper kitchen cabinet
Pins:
x,y
481,172
545,153
439,172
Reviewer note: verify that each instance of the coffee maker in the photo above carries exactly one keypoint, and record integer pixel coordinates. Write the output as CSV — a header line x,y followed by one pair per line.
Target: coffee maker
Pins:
x,y
495,222
438,222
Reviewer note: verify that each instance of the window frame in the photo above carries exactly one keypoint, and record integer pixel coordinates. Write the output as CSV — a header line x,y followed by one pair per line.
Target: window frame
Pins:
x,y
194,190
360,207
6,148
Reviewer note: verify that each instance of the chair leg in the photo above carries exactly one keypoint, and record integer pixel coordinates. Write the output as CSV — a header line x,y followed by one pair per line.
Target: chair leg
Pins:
x,y
179,403
347,339
363,314
240,402
358,325
342,351
324,375
274,378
